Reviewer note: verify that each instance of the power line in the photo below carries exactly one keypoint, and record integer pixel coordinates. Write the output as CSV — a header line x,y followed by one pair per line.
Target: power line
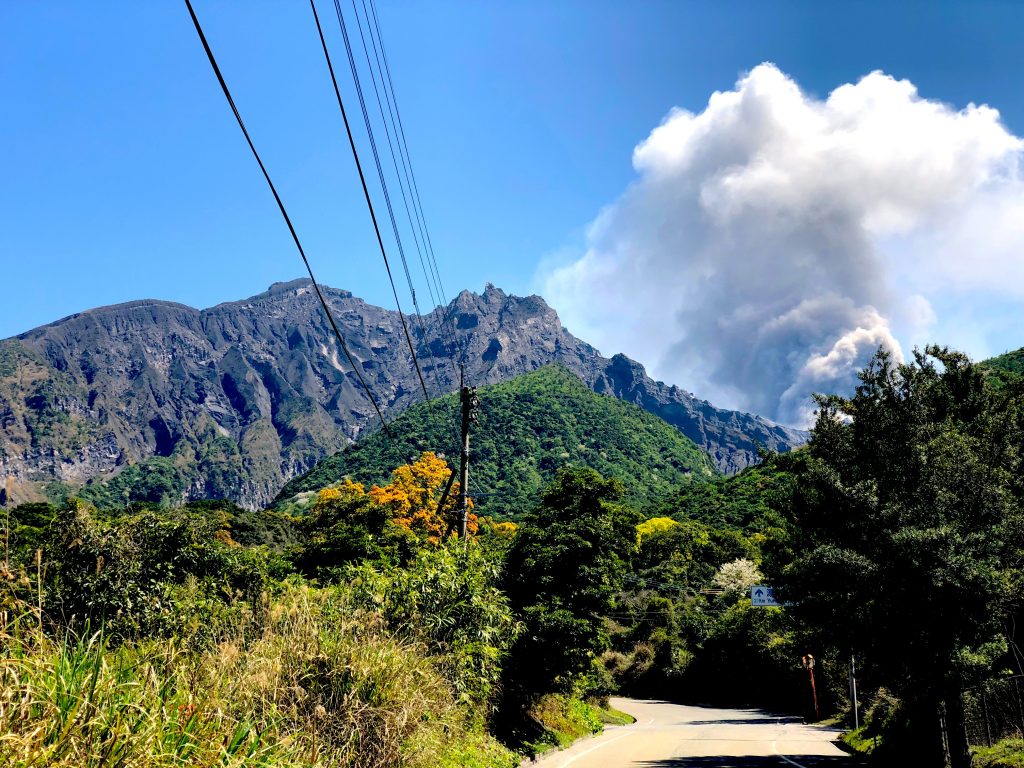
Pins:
x,y
384,120
376,156
409,212
366,193
284,214
407,158
418,202
394,161
659,584
444,322
381,177
403,150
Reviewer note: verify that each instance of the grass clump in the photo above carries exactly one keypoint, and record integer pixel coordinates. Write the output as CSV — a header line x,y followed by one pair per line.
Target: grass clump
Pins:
x,y
860,741
318,684
1008,753
558,720
611,716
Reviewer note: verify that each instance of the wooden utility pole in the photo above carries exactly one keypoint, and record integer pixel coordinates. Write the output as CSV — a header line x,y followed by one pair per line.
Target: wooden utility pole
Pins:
x,y
808,664
469,402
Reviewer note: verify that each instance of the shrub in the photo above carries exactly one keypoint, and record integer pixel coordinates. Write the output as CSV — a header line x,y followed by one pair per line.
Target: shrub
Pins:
x,y
130,575
447,598
320,683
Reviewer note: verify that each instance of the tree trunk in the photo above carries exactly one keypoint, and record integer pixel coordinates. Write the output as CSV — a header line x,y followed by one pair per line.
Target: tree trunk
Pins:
x,y
956,731
920,742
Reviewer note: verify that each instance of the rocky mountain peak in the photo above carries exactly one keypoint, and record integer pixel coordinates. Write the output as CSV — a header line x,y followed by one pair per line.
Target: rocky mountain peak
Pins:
x,y
241,397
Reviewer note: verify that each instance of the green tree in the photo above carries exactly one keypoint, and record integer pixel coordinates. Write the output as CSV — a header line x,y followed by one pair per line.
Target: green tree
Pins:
x,y
447,597
562,574
909,520
130,573
24,531
346,525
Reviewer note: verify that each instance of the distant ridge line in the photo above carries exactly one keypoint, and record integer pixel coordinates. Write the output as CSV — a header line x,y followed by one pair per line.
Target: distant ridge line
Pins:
x,y
246,395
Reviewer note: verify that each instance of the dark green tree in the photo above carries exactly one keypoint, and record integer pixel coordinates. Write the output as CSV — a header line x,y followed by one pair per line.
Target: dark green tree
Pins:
x,y
24,531
125,573
909,520
562,574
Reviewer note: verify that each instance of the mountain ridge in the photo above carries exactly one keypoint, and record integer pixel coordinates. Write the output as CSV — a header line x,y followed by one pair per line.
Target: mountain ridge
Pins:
x,y
242,396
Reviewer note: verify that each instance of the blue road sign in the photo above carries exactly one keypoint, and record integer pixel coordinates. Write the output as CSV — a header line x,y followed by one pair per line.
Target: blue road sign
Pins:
x,y
763,595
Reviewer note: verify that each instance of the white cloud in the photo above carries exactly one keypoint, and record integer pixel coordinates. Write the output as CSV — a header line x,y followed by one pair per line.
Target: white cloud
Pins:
x,y
771,242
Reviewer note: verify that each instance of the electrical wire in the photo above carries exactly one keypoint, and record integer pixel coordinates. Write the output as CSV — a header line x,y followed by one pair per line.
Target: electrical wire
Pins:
x,y
444,320
287,218
366,194
373,145
398,173
447,310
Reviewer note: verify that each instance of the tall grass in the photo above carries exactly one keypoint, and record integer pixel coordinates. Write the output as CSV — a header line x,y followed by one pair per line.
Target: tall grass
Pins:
x,y
319,684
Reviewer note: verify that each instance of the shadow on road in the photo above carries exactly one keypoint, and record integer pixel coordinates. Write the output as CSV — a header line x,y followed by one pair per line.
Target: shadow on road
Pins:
x,y
809,761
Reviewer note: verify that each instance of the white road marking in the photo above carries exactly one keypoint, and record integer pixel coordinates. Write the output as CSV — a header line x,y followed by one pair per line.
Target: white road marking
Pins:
x,y
775,749
573,759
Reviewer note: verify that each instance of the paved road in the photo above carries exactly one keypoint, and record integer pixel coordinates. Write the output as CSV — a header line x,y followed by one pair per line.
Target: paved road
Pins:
x,y
675,736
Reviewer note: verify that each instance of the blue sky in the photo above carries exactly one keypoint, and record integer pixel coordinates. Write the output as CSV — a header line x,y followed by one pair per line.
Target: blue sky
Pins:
x,y
126,177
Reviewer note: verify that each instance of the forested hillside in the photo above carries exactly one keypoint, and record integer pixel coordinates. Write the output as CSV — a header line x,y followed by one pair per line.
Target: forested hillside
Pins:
x,y
1011,362
528,428
1004,368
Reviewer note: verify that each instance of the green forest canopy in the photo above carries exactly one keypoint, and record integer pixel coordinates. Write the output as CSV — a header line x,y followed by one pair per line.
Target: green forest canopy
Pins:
x,y
1006,367
528,428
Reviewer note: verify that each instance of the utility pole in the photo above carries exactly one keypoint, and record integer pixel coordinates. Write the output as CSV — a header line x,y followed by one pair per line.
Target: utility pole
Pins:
x,y
469,402
853,690
808,664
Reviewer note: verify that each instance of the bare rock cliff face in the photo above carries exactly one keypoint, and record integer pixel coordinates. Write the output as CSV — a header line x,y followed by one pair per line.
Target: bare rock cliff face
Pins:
x,y
244,396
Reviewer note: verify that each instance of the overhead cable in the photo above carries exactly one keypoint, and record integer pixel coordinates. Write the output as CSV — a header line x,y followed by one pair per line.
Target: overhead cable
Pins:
x,y
376,156
369,201
417,199
287,218
396,158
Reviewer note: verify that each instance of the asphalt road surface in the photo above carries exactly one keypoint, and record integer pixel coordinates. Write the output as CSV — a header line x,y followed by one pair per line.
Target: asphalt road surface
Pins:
x,y
675,736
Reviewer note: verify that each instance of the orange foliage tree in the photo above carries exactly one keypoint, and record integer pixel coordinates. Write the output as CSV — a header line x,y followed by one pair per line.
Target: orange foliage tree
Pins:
x,y
414,493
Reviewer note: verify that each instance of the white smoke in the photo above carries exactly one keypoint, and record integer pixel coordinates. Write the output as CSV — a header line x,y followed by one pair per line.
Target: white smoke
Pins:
x,y
772,242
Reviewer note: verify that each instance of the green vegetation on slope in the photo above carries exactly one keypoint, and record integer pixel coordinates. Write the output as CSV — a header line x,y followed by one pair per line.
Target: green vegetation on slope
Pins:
x,y
210,652
1006,367
310,682
154,639
1005,754
529,428
749,501
1010,361
34,401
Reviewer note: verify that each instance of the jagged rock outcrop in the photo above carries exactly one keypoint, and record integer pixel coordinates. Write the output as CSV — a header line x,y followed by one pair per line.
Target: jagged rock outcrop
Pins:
x,y
239,398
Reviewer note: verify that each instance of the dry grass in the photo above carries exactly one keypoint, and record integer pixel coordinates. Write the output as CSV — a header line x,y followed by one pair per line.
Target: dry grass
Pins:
x,y
318,685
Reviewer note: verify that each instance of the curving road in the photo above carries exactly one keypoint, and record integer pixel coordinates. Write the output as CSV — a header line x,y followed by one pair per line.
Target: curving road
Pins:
x,y
676,736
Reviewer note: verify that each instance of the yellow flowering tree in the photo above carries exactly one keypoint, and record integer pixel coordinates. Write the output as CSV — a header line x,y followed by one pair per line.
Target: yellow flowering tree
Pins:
x,y
390,522
653,527
413,495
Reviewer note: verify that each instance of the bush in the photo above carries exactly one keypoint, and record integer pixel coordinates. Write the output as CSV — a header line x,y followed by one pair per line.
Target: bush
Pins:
x,y
320,683
134,574
448,599
1005,754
